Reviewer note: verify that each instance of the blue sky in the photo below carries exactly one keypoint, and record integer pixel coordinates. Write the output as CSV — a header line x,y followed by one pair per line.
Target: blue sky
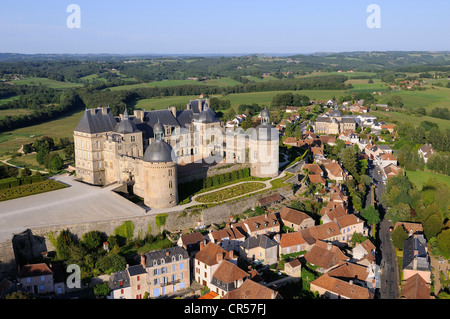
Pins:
x,y
227,26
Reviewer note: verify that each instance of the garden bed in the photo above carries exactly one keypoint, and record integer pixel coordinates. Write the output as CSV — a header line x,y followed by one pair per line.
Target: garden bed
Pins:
x,y
230,192
30,189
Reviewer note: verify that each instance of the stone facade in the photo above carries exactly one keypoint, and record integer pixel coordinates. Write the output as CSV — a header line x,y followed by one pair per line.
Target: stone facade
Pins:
x,y
146,149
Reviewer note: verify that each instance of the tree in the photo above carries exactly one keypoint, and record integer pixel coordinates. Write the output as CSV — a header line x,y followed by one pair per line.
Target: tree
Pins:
x,y
371,215
443,243
349,161
398,236
64,242
396,101
112,263
400,212
54,162
92,240
432,226
102,290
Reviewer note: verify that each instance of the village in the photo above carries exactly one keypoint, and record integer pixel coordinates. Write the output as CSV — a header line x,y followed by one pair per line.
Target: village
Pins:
x,y
315,243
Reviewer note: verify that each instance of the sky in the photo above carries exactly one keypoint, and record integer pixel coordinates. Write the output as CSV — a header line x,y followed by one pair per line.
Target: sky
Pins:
x,y
222,27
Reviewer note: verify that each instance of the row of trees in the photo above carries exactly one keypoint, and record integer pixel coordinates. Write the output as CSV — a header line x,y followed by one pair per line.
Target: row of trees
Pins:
x,y
428,206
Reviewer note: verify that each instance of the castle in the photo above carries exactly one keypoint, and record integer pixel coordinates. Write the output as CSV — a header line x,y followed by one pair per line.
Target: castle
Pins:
x,y
146,149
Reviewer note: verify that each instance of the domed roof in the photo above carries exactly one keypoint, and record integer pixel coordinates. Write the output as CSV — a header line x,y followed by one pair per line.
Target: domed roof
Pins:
x,y
158,128
265,113
159,151
126,126
208,116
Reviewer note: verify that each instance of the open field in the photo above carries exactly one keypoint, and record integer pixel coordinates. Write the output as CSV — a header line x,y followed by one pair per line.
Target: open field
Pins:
x,y
47,82
12,112
393,117
420,177
167,83
62,127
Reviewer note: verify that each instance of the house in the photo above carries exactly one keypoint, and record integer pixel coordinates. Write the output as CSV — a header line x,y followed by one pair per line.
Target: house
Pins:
x,y
291,109
385,148
227,277
263,224
415,258
270,200
330,140
210,295
364,253
350,224
119,285
390,171
138,281
191,242
259,249
228,238
362,143
426,151
389,128
410,228
373,151
293,268
360,275
334,171
316,179
332,211
207,260
325,232
292,141
252,290
37,278
313,169
334,288
167,271
415,287
384,160
317,153
291,243
325,255
295,219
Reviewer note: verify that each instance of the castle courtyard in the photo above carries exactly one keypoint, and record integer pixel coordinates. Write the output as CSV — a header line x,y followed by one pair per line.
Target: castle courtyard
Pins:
x,y
79,203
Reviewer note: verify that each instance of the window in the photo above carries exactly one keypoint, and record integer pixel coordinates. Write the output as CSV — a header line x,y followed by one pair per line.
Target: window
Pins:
x,y
133,138
170,184
155,272
181,266
28,280
138,287
42,278
155,281
121,283
41,287
138,278
174,267
121,291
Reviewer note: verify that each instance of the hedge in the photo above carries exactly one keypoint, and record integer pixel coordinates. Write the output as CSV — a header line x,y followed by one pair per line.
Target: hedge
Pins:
x,y
14,181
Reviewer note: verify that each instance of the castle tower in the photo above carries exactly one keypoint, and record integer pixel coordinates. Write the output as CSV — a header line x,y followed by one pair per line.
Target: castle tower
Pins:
x,y
160,172
263,149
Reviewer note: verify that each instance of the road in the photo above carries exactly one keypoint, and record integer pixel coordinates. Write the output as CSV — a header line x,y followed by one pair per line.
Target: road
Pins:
x,y
385,251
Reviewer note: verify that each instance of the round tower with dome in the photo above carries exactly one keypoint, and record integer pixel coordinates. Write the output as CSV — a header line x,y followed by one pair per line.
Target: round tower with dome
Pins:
x,y
263,149
160,172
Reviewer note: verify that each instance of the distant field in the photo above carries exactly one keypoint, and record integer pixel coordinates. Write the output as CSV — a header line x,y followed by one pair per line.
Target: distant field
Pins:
x,y
12,112
420,177
429,99
47,82
62,127
167,83
389,117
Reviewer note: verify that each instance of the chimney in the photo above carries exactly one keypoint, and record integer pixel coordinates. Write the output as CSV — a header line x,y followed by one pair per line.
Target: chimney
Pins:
x,y
202,245
143,261
329,246
139,114
207,102
105,110
231,254
351,282
173,109
93,111
219,257
188,106
167,253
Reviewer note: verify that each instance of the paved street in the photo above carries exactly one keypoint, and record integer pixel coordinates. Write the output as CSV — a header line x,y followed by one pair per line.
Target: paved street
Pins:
x,y
386,258
78,203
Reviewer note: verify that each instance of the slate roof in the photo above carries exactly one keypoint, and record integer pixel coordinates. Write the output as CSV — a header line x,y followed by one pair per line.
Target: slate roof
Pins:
x,y
159,151
415,248
258,241
166,255
96,121
136,270
119,277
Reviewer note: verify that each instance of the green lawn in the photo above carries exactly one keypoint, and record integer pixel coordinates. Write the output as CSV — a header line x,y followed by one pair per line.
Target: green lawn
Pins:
x,y
420,177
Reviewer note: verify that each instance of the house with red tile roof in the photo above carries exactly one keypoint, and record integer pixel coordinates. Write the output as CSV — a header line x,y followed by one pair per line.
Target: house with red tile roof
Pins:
x,y
364,253
228,238
252,290
350,224
227,277
263,224
207,260
334,288
415,287
325,232
295,219
290,243
325,255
